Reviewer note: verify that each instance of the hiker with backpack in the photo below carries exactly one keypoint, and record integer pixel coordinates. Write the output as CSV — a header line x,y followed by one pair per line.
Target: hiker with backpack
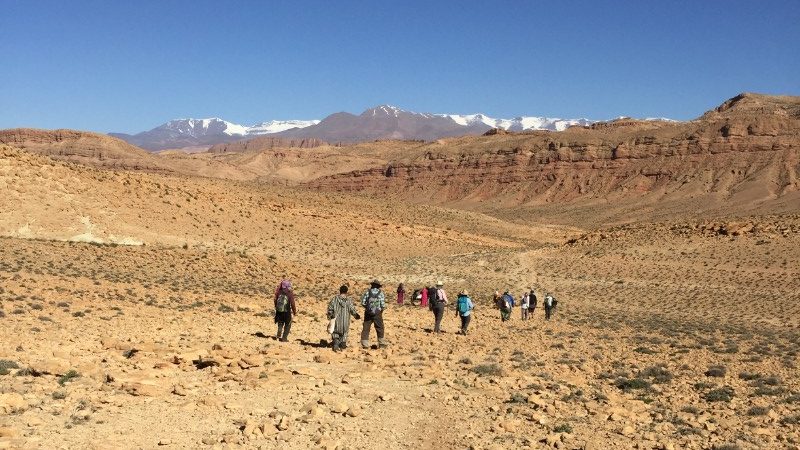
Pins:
x,y
550,303
524,304
431,290
505,303
438,300
284,309
532,300
497,302
340,309
401,294
374,302
464,307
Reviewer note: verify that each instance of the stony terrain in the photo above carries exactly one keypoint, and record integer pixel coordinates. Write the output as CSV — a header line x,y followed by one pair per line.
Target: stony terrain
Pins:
x,y
136,308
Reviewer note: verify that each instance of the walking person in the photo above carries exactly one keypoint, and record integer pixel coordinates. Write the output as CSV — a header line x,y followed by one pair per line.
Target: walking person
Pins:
x,y
497,301
464,307
374,302
401,294
284,309
431,296
505,303
340,309
424,297
524,305
550,303
532,300
438,304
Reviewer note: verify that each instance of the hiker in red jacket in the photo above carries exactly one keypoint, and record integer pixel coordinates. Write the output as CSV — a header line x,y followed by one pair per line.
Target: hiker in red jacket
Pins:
x,y
284,309
424,302
401,294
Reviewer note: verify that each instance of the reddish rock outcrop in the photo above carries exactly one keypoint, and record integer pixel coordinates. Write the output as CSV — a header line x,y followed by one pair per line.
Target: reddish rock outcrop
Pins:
x,y
82,147
260,144
745,152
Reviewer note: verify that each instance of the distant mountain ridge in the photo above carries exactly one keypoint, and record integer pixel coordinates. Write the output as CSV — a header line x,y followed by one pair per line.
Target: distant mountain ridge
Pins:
x,y
180,133
380,122
391,122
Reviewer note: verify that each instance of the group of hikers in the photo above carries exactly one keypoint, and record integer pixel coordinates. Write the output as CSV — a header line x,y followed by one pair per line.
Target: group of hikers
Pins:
x,y
342,307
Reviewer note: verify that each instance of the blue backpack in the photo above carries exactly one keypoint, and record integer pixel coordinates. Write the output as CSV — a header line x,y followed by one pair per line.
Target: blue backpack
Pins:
x,y
463,304
509,300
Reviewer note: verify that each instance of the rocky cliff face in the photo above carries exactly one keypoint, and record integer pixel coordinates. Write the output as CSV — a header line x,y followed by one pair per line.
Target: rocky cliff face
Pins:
x,y
261,144
745,151
82,147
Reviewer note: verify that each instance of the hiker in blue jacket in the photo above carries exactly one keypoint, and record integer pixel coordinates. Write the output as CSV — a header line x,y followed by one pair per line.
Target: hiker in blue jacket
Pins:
x,y
464,307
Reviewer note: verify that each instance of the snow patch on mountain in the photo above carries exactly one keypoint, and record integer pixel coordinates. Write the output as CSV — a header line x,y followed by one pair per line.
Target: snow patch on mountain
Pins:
x,y
517,124
276,126
215,125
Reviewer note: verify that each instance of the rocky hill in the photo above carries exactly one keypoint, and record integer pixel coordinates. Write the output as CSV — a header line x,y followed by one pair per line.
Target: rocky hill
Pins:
x,y
82,147
743,154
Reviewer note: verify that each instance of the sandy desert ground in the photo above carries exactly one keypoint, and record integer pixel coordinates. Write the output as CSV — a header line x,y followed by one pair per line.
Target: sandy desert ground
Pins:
x,y
136,312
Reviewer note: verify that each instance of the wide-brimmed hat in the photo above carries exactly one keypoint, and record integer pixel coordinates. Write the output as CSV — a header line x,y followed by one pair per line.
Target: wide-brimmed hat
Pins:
x,y
464,292
439,283
376,283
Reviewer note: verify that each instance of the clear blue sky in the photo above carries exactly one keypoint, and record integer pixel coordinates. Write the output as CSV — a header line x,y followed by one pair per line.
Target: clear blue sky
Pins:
x,y
130,65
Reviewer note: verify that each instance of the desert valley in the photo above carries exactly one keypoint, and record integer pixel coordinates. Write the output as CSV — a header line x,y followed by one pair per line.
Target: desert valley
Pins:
x,y
136,287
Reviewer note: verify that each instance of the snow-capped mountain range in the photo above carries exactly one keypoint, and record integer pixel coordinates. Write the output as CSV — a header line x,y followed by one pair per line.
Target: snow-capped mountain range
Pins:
x,y
469,120
180,133
380,122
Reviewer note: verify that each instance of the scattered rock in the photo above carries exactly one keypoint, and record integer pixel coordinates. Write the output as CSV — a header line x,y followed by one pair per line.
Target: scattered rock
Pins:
x,y
353,411
339,407
12,402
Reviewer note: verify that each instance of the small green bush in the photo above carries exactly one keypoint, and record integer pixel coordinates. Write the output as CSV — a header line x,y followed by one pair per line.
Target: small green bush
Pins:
x,y
747,376
487,369
28,372
563,428
726,447
771,381
791,420
629,384
644,351
716,371
757,411
518,397
6,364
658,374
769,391
723,394
794,398
69,376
